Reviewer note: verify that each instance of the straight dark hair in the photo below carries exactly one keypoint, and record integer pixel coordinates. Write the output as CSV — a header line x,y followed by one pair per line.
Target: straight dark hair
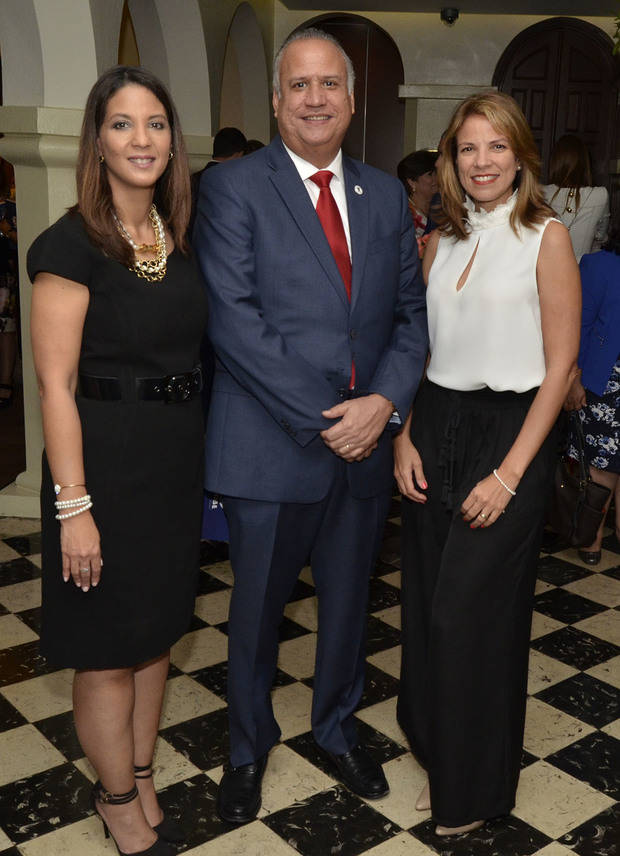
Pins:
x,y
172,190
569,165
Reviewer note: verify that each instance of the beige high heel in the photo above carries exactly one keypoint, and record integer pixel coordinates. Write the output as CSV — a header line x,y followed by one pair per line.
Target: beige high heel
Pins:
x,y
423,802
459,830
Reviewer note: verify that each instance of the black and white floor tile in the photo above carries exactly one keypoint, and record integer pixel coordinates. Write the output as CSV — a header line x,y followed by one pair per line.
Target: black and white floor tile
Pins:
x,y
569,792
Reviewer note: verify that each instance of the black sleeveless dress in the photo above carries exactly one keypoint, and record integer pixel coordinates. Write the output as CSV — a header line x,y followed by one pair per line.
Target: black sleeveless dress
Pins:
x,y
143,460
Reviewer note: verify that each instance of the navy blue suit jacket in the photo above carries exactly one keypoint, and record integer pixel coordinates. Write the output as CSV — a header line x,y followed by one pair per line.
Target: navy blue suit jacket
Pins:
x,y
600,319
284,331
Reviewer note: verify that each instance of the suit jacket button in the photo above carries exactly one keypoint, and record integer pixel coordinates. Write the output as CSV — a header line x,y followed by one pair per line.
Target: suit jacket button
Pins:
x,y
353,334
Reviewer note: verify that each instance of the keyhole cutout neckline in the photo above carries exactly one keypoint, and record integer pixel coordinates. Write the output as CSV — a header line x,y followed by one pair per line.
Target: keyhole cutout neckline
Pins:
x,y
464,277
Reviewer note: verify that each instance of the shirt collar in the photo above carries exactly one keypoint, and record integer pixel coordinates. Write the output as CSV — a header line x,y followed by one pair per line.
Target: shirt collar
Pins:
x,y
306,169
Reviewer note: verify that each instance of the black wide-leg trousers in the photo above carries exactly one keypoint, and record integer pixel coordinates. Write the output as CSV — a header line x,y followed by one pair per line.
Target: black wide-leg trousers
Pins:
x,y
467,597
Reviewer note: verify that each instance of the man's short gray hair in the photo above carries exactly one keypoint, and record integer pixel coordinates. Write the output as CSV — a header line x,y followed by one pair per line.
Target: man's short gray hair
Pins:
x,y
312,33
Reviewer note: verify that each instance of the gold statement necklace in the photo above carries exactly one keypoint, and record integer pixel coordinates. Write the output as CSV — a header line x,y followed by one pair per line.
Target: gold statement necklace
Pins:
x,y
153,270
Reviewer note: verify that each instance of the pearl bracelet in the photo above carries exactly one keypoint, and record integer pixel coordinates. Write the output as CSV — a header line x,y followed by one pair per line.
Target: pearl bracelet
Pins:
x,y
74,513
72,503
503,483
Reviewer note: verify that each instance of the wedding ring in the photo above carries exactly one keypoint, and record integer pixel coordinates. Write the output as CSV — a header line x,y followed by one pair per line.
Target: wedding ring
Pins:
x,y
482,515
347,445
84,570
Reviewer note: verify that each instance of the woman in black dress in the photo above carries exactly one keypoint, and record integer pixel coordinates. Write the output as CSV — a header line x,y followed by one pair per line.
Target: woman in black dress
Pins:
x,y
118,313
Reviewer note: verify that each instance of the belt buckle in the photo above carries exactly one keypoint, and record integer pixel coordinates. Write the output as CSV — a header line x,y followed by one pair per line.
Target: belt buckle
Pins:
x,y
177,388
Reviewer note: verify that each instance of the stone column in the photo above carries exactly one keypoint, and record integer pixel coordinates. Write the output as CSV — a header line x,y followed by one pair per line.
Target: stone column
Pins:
x,y
41,143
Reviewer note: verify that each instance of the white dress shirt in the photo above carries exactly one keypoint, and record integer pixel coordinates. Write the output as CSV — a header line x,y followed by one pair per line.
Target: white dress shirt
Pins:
x,y
306,169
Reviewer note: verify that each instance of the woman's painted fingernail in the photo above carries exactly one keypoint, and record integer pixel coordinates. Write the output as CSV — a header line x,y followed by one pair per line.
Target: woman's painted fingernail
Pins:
x,y
424,485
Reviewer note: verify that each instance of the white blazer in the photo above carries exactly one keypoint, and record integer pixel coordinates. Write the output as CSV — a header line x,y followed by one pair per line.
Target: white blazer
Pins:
x,y
587,224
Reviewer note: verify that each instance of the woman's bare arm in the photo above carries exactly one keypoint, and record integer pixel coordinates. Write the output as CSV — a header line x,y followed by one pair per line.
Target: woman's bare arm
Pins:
x,y
559,291
57,320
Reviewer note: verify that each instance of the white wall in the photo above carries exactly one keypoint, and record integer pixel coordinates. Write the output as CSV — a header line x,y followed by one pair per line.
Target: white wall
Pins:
x,y
449,62
433,52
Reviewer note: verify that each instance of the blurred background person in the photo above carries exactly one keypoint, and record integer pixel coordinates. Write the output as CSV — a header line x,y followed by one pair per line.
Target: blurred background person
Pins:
x,y
253,146
419,178
228,144
583,209
595,392
118,313
9,284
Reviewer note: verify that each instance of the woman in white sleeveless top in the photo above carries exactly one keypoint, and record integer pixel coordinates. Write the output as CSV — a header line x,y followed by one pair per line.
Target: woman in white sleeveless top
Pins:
x,y
475,461
583,209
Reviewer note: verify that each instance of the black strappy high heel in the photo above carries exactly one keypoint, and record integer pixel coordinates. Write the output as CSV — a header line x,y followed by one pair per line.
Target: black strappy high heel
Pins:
x,y
99,794
168,829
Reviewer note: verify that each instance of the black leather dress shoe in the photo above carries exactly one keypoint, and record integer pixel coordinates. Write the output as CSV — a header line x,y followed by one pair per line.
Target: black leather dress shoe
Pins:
x,y
239,793
360,773
590,557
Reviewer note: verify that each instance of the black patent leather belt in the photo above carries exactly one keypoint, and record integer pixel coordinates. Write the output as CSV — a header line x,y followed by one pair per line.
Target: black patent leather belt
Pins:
x,y
170,389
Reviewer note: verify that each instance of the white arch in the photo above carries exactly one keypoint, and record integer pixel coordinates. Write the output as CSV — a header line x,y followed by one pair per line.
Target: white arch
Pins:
x,y
171,44
66,22
107,16
22,58
246,37
34,38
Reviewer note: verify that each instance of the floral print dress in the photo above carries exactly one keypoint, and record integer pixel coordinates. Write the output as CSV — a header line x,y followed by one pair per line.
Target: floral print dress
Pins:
x,y
600,419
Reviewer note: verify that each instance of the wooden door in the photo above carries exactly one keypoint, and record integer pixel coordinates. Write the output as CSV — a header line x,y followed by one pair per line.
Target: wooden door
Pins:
x,y
377,129
587,100
531,79
565,78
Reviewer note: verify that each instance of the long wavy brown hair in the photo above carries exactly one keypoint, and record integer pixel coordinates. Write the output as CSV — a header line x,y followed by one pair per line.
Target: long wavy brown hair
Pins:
x,y
172,191
507,118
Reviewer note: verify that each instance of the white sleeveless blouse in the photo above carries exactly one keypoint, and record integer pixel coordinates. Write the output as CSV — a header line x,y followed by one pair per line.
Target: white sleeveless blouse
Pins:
x,y
488,334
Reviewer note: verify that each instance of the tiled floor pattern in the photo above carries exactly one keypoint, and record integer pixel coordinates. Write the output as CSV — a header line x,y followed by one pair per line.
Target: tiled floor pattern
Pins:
x,y
568,798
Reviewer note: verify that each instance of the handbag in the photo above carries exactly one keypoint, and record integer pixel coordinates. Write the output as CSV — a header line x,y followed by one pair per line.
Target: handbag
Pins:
x,y
578,503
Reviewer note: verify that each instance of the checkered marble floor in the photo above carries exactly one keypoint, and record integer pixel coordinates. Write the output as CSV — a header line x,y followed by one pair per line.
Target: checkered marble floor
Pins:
x,y
569,792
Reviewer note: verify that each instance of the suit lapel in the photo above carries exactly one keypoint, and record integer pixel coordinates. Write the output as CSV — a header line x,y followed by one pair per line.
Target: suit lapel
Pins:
x,y
357,208
291,189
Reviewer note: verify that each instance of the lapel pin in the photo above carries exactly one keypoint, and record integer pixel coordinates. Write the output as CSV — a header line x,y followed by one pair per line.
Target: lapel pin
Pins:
x,y
358,190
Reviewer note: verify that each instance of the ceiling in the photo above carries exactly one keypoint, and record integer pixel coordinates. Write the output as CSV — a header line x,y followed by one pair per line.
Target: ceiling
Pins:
x,y
587,8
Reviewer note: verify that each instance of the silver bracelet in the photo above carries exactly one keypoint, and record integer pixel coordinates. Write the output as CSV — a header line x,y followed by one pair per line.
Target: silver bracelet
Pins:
x,y
503,483
74,513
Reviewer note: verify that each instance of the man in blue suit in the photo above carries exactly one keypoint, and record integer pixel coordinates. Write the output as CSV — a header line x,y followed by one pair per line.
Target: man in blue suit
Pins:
x,y
318,320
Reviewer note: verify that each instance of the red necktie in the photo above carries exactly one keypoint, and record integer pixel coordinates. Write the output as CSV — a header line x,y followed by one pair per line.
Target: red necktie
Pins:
x,y
331,221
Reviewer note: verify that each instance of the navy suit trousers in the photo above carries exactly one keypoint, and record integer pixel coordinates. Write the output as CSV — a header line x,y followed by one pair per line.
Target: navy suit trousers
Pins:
x,y
270,543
